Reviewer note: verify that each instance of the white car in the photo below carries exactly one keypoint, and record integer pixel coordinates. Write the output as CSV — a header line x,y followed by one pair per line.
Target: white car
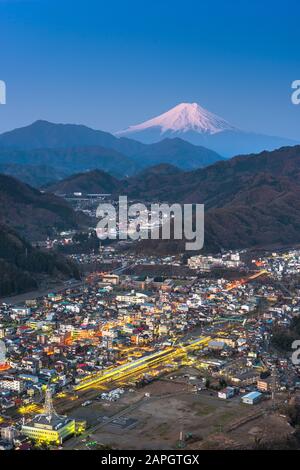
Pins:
x,y
86,403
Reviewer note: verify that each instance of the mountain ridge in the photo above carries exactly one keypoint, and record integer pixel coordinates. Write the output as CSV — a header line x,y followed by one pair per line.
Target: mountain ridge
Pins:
x,y
75,148
250,201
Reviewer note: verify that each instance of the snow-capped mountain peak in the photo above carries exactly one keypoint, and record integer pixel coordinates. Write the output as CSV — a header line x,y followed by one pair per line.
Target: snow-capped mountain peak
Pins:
x,y
184,117
198,126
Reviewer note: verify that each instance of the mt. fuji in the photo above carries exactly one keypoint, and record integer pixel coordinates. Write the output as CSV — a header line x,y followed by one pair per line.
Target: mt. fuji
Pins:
x,y
184,117
197,125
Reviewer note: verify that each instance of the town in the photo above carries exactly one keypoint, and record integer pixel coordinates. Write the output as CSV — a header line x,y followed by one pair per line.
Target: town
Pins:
x,y
176,351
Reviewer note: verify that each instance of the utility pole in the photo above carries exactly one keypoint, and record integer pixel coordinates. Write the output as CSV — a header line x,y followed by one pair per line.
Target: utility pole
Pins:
x,y
274,385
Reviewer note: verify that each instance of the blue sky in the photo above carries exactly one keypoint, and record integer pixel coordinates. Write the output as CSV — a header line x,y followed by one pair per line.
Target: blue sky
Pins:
x,y
109,64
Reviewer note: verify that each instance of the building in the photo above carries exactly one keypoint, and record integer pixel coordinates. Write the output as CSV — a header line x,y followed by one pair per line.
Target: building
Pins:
x,y
4,445
217,345
8,434
204,263
11,383
49,427
21,310
111,279
132,299
226,393
246,378
252,398
264,385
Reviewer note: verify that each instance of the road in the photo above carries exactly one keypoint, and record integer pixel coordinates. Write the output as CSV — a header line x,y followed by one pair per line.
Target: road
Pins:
x,y
123,268
21,298
235,284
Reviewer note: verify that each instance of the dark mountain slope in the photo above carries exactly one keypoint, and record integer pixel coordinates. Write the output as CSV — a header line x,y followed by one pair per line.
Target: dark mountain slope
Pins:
x,y
33,213
217,184
251,201
98,181
95,181
34,175
176,152
154,183
72,159
21,265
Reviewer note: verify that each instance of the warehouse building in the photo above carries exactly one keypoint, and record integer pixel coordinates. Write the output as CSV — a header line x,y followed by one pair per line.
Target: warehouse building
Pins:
x,y
252,398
